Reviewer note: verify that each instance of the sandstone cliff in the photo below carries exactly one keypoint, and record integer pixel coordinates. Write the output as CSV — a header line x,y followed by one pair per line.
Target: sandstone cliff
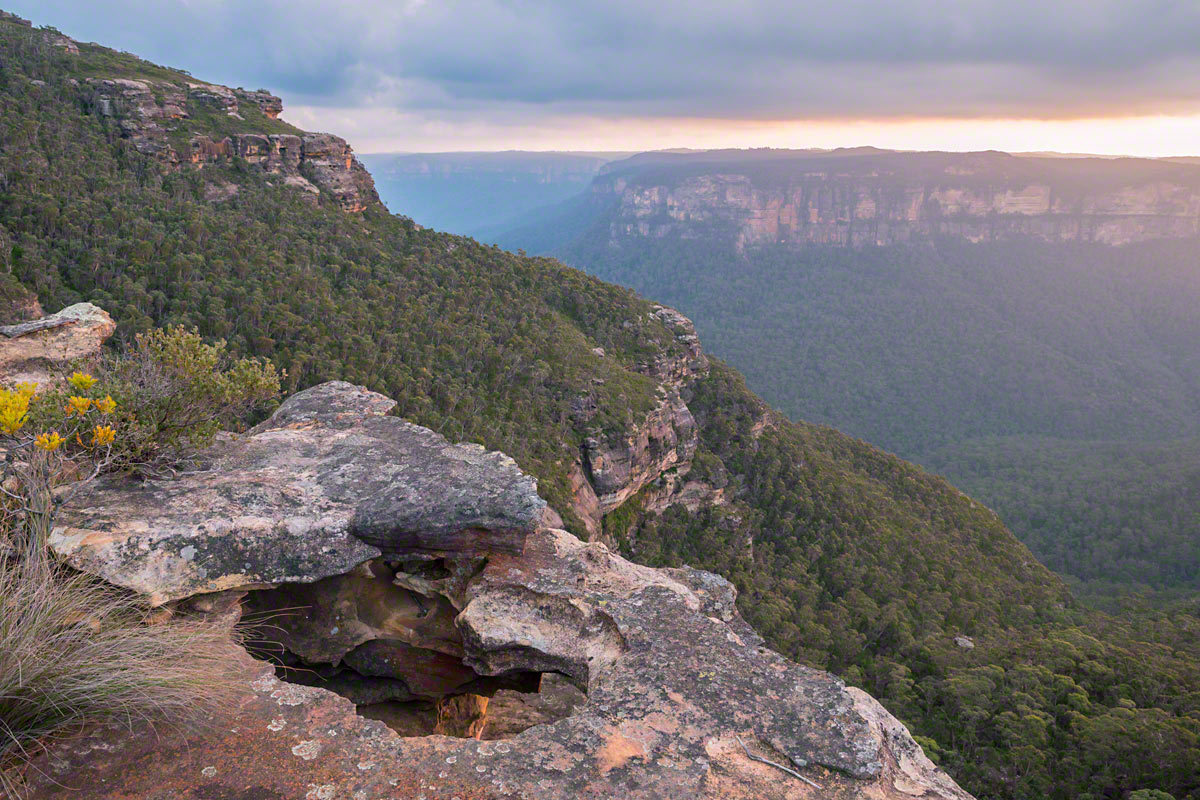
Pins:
x,y
854,198
656,453
190,123
413,578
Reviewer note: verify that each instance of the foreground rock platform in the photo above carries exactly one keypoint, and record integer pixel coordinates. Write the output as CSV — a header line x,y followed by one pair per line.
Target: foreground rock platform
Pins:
x,y
418,571
327,483
676,683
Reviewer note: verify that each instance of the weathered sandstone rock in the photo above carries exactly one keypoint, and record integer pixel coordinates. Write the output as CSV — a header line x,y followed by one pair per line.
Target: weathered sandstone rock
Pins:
x,y
327,483
149,110
37,350
889,198
675,683
670,684
271,105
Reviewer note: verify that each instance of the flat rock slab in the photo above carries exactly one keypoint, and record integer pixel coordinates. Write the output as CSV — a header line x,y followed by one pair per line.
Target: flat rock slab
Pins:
x,y
328,482
673,677
33,351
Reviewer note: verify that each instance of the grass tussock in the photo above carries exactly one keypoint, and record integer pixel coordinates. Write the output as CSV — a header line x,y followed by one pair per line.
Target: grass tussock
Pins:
x,y
75,651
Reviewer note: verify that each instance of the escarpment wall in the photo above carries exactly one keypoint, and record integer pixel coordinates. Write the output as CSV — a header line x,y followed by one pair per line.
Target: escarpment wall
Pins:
x,y
656,453
874,205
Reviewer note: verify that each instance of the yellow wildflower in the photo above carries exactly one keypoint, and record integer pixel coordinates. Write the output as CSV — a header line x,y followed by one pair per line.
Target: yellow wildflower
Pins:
x,y
105,406
49,441
27,388
14,408
78,405
81,381
102,435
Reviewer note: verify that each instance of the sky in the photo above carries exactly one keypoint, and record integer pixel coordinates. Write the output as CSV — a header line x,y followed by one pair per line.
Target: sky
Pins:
x,y
1097,76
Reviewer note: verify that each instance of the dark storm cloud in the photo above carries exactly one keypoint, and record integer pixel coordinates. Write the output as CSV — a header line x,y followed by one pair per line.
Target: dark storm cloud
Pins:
x,y
754,59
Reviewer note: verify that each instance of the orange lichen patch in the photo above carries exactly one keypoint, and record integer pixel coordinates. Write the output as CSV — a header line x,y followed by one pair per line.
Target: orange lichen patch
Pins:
x,y
617,750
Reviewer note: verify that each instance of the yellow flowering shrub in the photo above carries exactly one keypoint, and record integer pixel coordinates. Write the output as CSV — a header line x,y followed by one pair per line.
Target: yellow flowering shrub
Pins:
x,y
49,441
142,409
57,427
103,435
14,410
81,381
78,405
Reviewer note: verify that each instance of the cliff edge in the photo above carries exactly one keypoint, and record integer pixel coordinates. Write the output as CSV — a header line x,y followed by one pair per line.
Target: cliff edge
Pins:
x,y
415,579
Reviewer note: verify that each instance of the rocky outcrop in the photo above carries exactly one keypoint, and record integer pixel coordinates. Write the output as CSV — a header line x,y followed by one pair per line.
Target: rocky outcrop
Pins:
x,y
619,465
327,483
269,104
151,114
616,465
37,351
673,693
876,199
332,165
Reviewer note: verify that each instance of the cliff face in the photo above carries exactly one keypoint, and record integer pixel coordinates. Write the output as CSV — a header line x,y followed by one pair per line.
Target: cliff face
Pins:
x,y
895,198
614,467
177,123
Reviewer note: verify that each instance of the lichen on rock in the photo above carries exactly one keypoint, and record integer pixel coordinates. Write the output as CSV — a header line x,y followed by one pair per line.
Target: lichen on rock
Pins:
x,y
421,573
325,484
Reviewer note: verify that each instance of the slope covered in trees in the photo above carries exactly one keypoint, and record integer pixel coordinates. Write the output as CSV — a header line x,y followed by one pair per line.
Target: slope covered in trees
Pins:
x,y
1024,371
846,557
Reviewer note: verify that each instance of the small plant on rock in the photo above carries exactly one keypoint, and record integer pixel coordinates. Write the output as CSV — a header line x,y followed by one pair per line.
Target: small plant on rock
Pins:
x,y
73,649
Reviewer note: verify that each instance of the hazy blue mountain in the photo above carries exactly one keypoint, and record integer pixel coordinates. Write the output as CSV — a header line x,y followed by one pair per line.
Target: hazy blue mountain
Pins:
x,y
480,194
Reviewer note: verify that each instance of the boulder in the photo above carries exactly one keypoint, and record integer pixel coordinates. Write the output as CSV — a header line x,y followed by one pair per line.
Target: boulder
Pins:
x,y
325,484
38,350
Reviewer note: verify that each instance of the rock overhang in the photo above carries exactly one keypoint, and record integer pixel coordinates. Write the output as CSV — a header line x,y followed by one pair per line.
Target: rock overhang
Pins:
x,y
327,483
362,518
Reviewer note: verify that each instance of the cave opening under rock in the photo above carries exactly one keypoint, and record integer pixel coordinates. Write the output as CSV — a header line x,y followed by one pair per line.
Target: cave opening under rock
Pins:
x,y
383,636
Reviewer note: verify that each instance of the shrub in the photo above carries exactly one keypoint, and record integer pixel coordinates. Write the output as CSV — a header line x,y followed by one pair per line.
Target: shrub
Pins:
x,y
73,649
173,392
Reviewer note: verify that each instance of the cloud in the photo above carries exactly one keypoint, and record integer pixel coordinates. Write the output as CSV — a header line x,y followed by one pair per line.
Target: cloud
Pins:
x,y
744,60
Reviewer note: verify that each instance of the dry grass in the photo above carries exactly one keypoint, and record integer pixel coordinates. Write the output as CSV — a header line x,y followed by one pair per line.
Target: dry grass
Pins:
x,y
74,651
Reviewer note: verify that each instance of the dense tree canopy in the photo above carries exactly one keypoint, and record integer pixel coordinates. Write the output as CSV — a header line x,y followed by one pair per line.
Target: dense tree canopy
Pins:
x,y
1059,383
